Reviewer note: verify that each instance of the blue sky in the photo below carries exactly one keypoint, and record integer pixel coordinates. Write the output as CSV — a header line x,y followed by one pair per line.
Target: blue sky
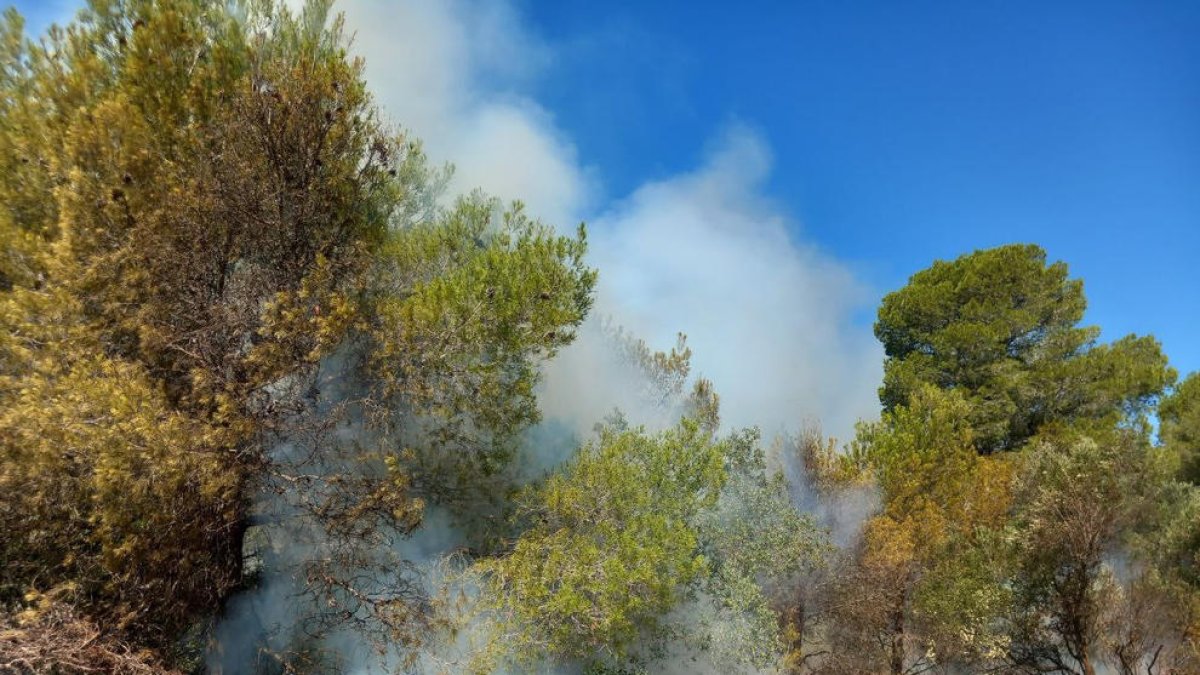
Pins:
x,y
905,132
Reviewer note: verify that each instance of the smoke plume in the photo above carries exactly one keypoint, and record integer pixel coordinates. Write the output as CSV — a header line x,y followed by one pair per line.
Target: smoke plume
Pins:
x,y
770,317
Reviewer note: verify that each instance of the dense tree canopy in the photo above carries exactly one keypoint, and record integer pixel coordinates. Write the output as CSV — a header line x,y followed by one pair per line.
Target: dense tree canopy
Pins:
x,y
606,557
1078,498
200,207
251,352
1026,578
909,587
1001,325
1179,416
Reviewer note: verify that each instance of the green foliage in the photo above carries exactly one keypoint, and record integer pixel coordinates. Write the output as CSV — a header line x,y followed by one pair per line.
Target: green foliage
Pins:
x,y
1007,560
923,457
201,210
612,547
641,538
761,548
1022,577
961,596
1179,417
754,527
665,373
1080,498
1173,543
465,307
919,590
1000,325
918,447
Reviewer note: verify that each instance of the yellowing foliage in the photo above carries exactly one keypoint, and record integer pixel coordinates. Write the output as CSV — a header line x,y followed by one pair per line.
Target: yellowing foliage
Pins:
x,y
199,202
108,489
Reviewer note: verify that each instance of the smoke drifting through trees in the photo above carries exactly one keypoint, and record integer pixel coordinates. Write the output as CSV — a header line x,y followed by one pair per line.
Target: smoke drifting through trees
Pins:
x,y
242,316
771,318
291,618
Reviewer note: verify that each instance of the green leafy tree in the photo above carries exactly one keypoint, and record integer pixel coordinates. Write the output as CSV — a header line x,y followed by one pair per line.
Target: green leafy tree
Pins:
x,y
762,550
1001,326
644,545
1179,417
611,548
463,310
1082,502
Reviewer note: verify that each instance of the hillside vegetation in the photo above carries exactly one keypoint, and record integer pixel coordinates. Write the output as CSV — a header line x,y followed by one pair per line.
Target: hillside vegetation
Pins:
x,y
237,305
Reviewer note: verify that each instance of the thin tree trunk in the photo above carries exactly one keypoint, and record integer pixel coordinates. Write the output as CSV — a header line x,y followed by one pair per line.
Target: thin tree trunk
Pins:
x,y
1085,662
897,661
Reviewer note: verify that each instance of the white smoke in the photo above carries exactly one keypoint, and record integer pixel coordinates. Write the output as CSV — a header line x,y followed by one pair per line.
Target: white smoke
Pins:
x,y
768,315
454,72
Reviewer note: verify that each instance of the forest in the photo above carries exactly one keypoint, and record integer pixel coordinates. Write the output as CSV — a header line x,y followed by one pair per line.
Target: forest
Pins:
x,y
269,403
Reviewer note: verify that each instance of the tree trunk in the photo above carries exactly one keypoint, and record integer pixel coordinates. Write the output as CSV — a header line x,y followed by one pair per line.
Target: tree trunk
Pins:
x,y
897,656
